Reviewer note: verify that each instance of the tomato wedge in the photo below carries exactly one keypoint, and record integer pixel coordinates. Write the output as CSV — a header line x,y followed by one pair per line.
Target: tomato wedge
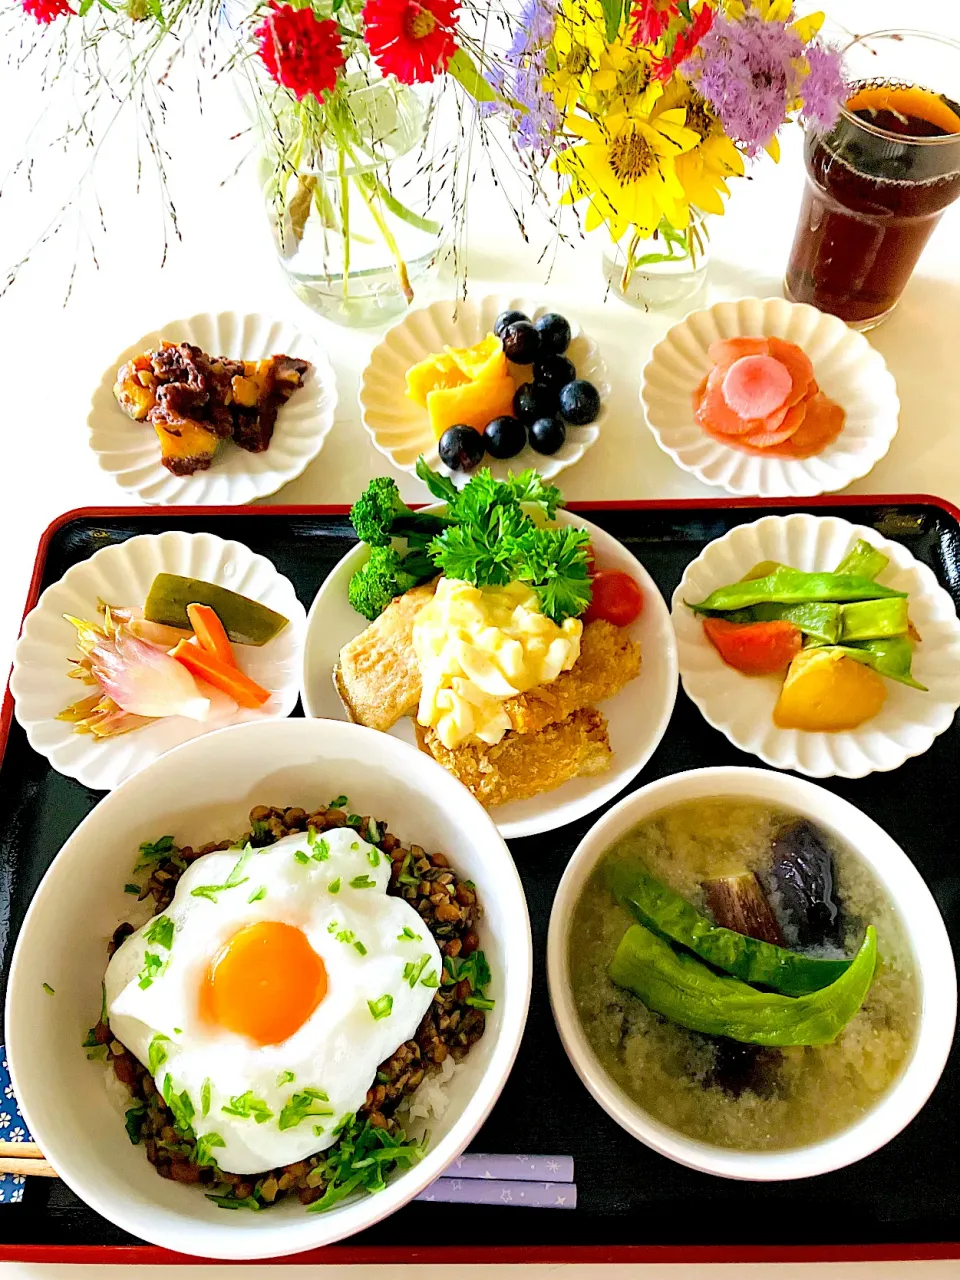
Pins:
x,y
754,648
616,597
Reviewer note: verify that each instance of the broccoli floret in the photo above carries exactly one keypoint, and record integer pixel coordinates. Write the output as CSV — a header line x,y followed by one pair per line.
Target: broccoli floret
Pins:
x,y
380,514
385,576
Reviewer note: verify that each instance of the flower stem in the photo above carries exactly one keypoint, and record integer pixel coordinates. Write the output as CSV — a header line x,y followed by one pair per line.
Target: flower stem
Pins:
x,y
345,217
388,239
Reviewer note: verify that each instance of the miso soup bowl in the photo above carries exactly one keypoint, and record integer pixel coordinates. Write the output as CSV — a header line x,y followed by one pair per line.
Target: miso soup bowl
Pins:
x,y
912,901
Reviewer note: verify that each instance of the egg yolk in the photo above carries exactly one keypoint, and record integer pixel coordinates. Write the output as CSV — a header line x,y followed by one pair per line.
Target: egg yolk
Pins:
x,y
264,982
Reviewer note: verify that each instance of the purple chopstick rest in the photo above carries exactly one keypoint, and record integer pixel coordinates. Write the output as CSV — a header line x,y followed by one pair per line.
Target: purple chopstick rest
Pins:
x,y
498,1191
512,1168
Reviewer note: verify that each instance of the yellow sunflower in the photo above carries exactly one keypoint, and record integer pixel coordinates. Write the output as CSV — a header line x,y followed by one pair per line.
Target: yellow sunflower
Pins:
x,y
704,169
625,79
577,47
625,165
776,11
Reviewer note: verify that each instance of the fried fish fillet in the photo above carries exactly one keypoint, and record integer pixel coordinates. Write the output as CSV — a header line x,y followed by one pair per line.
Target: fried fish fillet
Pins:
x,y
608,660
377,677
521,765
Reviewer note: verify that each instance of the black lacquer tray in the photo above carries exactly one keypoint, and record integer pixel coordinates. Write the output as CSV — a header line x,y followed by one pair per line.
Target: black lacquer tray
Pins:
x,y
634,1205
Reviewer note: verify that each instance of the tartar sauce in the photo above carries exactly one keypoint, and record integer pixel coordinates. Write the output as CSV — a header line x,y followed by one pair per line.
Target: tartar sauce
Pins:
x,y
478,646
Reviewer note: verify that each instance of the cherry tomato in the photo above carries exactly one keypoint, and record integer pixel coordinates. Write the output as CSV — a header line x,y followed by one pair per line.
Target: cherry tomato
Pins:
x,y
616,597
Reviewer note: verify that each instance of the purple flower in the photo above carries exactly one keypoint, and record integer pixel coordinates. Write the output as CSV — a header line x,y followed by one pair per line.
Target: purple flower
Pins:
x,y
823,89
535,27
748,73
520,77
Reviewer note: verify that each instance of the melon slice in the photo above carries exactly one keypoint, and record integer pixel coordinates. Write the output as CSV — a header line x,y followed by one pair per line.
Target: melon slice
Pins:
x,y
756,386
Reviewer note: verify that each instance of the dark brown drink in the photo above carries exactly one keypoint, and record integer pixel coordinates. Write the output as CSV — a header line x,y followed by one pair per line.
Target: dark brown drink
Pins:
x,y
876,187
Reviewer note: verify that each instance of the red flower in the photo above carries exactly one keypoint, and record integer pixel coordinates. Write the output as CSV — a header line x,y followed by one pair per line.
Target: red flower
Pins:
x,y
687,40
651,18
46,10
411,39
300,52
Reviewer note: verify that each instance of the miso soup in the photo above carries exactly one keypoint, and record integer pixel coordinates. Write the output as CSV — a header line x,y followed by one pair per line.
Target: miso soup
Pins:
x,y
817,899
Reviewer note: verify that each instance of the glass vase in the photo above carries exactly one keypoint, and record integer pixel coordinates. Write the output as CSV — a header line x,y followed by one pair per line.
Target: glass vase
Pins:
x,y
666,270
353,219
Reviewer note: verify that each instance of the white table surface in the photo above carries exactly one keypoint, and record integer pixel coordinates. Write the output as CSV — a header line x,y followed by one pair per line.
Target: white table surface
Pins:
x,y
53,356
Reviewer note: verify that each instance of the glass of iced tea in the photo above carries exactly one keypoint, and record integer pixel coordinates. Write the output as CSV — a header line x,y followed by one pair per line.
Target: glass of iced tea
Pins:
x,y
878,183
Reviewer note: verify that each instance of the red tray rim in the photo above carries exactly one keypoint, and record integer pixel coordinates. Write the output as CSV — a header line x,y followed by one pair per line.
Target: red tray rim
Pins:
x,y
346,1254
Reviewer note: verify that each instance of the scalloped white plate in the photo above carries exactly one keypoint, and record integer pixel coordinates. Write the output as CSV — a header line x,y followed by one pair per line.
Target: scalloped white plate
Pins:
x,y
742,706
122,575
130,451
637,717
847,368
401,430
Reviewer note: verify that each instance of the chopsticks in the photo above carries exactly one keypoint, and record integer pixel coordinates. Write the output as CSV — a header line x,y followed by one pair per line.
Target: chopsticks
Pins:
x,y
23,1160
503,1180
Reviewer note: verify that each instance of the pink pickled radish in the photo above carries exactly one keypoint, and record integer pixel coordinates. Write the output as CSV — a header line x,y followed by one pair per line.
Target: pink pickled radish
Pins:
x,y
770,435
726,350
756,386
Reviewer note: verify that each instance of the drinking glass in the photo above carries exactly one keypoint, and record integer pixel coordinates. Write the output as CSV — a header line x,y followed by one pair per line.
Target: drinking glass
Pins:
x,y
879,181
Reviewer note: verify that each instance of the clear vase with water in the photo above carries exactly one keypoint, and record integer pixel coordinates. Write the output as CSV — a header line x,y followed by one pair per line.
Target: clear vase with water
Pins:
x,y
666,270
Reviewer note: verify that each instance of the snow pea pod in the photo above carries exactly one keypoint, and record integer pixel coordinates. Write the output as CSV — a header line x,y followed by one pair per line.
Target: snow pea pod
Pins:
x,y
672,917
873,620
891,658
864,560
793,586
820,621
684,990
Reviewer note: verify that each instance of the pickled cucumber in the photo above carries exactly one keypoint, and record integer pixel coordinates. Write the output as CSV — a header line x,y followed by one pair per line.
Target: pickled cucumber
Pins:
x,y
245,621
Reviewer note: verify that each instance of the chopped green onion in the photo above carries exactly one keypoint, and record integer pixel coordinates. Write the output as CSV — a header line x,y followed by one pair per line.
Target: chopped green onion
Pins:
x,y
363,882
334,886
205,1144
160,932
132,888
381,1008
408,935
246,1106
205,1097
339,803
48,989
285,1077
258,894
157,1053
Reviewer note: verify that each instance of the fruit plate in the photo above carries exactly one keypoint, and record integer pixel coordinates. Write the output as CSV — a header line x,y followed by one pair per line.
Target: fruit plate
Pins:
x,y
130,452
122,575
848,369
634,1206
742,706
400,429
637,716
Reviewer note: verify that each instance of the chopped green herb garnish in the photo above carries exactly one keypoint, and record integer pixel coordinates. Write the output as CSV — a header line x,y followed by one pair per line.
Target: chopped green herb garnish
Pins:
x,y
408,935
412,970
479,1002
373,856
374,834
48,989
157,1053
227,1202
205,1145
405,876
132,888
355,846
334,886
153,966
258,894
333,926
475,970
354,820
431,980
285,1077
381,1008
178,1031
358,946
133,1121
233,880
301,857
247,1107
340,803
182,1107
159,851
362,1158
205,1096
342,1123
309,1102
363,882
320,850
160,932
469,884
91,1042
260,831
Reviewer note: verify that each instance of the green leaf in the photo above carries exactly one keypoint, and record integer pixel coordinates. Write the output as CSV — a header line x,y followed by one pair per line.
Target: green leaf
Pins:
x,y
183,1111
85,7
464,70
309,1102
156,9
440,486
612,14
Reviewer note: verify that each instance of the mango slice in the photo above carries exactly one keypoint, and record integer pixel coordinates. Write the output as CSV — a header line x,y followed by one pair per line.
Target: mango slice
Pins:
x,y
435,373
824,692
481,362
472,405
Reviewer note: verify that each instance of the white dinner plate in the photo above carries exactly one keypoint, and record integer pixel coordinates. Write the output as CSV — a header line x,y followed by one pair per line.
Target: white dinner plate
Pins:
x,y
122,575
130,451
637,716
401,430
847,368
741,707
